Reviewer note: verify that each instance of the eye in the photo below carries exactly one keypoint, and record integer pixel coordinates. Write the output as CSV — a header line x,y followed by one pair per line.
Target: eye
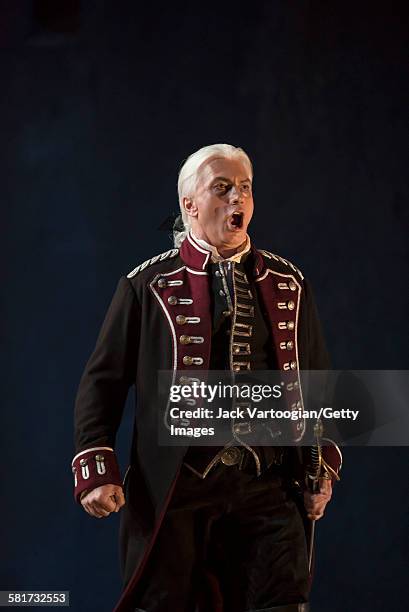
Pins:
x,y
221,187
246,187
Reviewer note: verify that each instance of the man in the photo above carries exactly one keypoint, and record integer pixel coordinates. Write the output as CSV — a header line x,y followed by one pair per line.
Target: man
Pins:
x,y
203,528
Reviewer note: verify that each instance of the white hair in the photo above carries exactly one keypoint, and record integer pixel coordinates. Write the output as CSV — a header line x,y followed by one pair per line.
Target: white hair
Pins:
x,y
188,175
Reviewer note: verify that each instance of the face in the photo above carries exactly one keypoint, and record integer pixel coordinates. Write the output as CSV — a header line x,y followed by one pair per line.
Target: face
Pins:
x,y
222,206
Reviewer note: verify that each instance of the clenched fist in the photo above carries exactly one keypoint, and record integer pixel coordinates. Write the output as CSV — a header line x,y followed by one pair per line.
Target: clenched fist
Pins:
x,y
315,502
100,502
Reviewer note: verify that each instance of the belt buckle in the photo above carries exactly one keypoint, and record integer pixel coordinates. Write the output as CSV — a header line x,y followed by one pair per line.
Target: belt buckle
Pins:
x,y
231,456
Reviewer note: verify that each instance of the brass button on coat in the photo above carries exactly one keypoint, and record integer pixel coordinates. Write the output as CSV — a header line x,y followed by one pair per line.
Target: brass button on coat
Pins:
x,y
184,339
181,319
293,365
290,305
172,300
290,345
290,325
162,283
187,360
292,285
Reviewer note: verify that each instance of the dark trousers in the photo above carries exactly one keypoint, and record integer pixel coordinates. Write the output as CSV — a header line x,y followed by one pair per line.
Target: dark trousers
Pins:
x,y
230,543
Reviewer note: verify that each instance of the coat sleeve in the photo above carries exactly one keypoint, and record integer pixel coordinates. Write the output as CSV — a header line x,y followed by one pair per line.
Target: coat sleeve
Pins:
x,y
318,359
317,353
102,393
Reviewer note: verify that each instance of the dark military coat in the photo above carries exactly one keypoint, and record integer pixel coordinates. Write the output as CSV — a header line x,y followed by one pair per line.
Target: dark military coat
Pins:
x,y
160,301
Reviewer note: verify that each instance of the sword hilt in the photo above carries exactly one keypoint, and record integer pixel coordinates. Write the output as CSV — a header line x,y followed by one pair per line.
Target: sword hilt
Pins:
x,y
313,471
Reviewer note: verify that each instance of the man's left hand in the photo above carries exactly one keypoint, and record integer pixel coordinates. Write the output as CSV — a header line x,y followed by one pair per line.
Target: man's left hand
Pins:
x,y
315,503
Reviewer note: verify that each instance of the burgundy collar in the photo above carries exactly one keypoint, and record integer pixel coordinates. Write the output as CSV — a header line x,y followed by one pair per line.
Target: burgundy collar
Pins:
x,y
197,257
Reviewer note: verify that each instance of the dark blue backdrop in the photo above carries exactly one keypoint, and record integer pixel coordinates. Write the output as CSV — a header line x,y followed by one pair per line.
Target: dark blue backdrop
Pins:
x,y
100,102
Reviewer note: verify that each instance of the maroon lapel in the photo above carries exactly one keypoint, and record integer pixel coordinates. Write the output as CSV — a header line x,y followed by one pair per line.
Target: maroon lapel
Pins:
x,y
184,296
281,297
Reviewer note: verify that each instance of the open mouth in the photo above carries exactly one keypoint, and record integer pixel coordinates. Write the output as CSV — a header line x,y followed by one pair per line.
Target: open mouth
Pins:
x,y
236,220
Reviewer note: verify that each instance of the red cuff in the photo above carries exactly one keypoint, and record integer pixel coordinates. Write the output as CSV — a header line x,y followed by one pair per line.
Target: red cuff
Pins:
x,y
93,468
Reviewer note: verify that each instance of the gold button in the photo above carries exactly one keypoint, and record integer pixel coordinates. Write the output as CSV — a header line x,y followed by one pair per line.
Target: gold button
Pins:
x,y
236,349
293,365
162,283
99,457
184,339
172,300
181,319
290,345
83,462
236,367
231,456
290,305
292,285
187,360
290,325
296,385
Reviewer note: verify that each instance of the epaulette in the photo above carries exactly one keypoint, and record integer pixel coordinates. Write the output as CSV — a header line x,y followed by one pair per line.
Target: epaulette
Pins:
x,y
152,260
284,261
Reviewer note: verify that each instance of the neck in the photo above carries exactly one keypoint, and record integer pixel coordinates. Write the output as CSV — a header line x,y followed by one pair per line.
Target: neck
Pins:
x,y
229,252
223,251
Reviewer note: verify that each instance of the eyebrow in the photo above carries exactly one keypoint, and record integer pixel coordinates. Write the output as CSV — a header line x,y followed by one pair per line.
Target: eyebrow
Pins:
x,y
223,178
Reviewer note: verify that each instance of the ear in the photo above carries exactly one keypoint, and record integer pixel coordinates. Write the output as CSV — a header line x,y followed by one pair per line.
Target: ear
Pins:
x,y
190,207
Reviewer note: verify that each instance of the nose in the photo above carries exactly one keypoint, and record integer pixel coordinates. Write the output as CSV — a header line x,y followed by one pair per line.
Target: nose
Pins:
x,y
236,195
